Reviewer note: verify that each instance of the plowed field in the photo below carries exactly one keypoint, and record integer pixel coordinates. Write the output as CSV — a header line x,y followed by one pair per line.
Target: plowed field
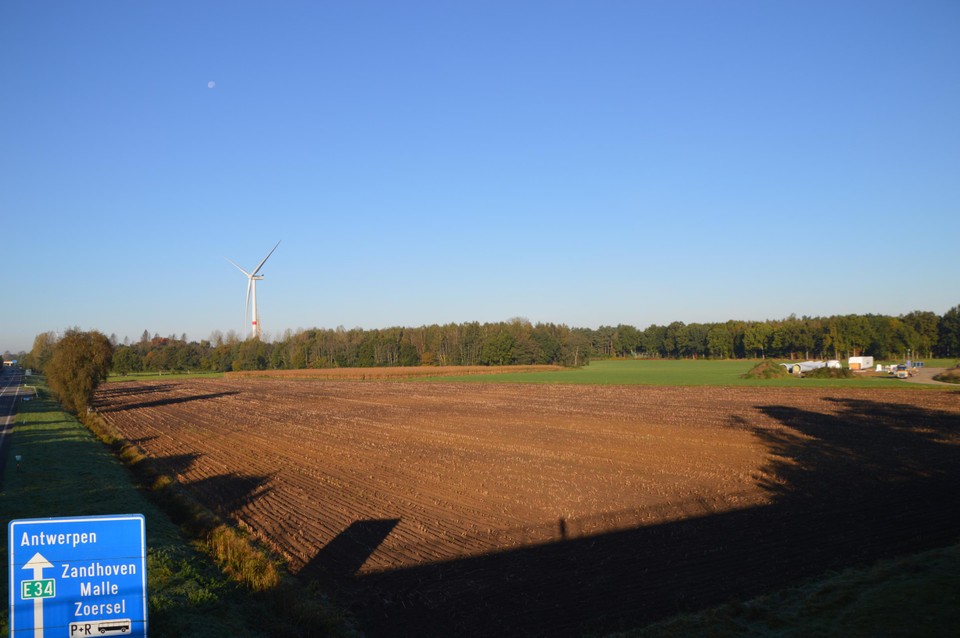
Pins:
x,y
443,509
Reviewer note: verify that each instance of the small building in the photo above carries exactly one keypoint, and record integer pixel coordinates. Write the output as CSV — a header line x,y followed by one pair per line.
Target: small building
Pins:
x,y
860,363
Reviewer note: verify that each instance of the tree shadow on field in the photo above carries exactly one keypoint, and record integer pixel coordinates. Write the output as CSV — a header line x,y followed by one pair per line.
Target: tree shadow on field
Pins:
x,y
174,464
227,494
870,481
164,401
868,444
114,390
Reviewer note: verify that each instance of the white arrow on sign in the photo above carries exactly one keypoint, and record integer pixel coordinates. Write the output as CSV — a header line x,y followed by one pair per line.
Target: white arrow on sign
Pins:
x,y
38,563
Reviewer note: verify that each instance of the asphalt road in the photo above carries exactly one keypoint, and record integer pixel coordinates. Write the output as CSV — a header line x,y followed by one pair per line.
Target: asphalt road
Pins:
x,y
10,390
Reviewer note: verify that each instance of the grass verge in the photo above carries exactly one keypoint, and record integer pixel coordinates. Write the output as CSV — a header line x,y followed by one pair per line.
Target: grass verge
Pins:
x,y
913,595
65,471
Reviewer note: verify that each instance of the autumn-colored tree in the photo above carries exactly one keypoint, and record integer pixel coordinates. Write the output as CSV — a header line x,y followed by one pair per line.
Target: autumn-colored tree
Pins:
x,y
80,361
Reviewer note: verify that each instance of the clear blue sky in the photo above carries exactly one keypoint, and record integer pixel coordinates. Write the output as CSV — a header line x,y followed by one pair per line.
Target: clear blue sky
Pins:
x,y
592,162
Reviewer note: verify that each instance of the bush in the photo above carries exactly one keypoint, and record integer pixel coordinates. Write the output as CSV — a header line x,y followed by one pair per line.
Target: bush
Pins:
x,y
949,376
766,370
830,373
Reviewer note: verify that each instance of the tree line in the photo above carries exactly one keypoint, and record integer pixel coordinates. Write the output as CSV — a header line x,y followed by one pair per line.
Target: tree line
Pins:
x,y
518,341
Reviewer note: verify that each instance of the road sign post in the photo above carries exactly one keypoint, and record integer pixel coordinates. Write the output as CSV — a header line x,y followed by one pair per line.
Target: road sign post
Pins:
x,y
78,576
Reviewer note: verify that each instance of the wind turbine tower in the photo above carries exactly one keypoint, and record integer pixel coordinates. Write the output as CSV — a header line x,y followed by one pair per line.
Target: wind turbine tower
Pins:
x,y
252,279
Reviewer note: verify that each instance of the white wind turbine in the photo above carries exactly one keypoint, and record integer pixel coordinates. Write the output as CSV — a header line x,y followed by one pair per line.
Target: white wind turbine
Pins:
x,y
252,278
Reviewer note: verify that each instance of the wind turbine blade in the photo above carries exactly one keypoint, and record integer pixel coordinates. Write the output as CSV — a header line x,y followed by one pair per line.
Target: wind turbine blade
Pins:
x,y
246,307
257,269
238,267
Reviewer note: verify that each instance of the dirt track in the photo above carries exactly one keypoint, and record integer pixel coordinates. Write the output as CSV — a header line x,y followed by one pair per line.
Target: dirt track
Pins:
x,y
441,509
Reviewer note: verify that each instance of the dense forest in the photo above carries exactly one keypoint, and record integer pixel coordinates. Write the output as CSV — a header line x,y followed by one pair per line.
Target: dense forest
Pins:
x,y
920,334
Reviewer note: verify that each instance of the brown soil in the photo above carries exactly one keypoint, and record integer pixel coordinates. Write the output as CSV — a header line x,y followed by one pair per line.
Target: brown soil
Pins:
x,y
508,509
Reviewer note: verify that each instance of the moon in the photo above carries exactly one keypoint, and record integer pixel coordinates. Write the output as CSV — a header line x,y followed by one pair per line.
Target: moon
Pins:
x,y
211,84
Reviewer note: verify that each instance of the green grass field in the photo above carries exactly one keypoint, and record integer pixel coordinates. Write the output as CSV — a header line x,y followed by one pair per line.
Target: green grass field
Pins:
x,y
632,372
670,372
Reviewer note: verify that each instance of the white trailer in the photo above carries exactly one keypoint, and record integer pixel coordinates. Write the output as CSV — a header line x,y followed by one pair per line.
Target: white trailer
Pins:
x,y
860,363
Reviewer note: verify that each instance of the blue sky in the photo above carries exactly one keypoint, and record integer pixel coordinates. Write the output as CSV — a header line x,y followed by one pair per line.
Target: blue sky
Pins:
x,y
587,163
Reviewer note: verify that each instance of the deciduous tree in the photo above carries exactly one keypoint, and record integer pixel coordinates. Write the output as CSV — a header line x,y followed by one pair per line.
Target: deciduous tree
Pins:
x,y
80,361
756,338
948,341
927,326
42,351
720,341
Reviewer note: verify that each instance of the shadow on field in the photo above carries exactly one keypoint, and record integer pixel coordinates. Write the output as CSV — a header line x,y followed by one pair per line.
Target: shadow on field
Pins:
x,y
345,555
113,390
875,480
227,494
174,464
107,396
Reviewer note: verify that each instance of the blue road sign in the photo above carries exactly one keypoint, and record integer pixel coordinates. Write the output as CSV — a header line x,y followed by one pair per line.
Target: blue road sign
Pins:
x,y
78,576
